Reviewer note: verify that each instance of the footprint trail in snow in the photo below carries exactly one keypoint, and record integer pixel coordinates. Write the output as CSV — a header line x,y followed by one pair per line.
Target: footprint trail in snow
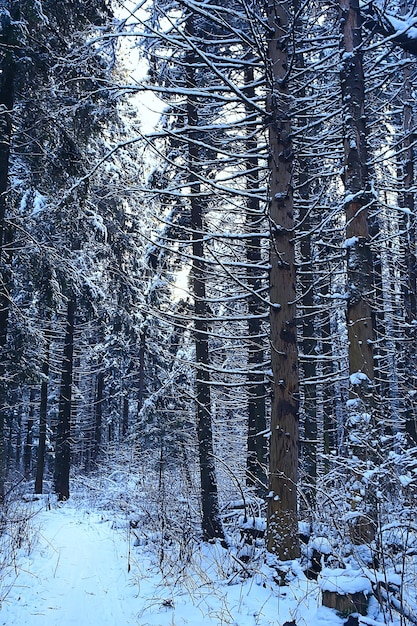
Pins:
x,y
76,575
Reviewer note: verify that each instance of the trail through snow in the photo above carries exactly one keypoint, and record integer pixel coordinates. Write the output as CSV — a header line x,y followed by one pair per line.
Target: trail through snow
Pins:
x,y
82,569
77,574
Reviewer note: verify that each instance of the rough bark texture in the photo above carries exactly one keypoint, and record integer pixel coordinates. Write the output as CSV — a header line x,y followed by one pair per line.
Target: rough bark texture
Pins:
x,y
348,603
359,256
359,259
282,505
211,524
63,441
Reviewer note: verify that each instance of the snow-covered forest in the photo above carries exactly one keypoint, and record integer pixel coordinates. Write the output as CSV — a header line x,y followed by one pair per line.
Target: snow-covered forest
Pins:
x,y
208,312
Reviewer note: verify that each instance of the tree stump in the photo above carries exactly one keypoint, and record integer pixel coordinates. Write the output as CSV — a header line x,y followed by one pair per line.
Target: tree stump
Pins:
x,y
346,604
345,590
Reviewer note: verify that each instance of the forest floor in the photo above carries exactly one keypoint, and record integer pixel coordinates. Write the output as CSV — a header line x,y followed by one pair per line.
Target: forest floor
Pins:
x,y
79,565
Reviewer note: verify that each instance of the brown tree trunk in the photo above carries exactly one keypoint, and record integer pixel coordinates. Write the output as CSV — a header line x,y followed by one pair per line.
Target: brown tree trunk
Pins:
x,y
282,506
359,259
359,256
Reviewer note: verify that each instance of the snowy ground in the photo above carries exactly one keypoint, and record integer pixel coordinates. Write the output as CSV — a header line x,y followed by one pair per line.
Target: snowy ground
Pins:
x,y
81,567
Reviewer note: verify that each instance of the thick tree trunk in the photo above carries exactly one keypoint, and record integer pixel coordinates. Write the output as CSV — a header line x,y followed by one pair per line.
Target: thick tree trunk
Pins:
x,y
63,441
282,507
359,256
359,259
211,524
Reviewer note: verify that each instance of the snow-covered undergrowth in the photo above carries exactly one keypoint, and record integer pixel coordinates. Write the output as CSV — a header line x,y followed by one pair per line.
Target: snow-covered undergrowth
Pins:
x,y
115,554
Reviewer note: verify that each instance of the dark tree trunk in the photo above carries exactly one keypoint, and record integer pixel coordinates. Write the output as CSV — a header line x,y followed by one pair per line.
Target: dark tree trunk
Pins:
x,y
98,415
63,440
310,319
211,524
125,416
43,421
282,506
141,373
27,450
7,77
410,252
257,447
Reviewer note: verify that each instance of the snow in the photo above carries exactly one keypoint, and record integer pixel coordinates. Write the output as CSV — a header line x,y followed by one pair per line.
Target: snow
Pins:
x,y
344,581
405,479
39,203
403,26
357,378
252,523
81,564
350,242
77,574
322,545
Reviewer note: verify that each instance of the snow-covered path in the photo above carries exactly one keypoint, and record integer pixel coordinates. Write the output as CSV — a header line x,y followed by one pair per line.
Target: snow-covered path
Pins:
x,y
76,575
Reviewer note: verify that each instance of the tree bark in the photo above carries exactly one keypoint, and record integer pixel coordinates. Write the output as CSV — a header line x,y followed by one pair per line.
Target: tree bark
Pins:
x,y
98,415
359,255
63,441
282,507
211,524
359,260
43,420
257,448
410,251
7,77
27,450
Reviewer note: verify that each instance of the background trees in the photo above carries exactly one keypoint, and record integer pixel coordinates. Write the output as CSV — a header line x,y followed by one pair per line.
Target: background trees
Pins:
x,y
235,279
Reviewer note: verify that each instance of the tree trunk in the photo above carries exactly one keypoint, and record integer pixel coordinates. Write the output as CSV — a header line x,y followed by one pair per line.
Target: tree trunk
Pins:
x,y
63,441
27,450
98,415
359,260
309,308
282,507
359,256
125,416
7,76
43,420
257,448
211,524
410,253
